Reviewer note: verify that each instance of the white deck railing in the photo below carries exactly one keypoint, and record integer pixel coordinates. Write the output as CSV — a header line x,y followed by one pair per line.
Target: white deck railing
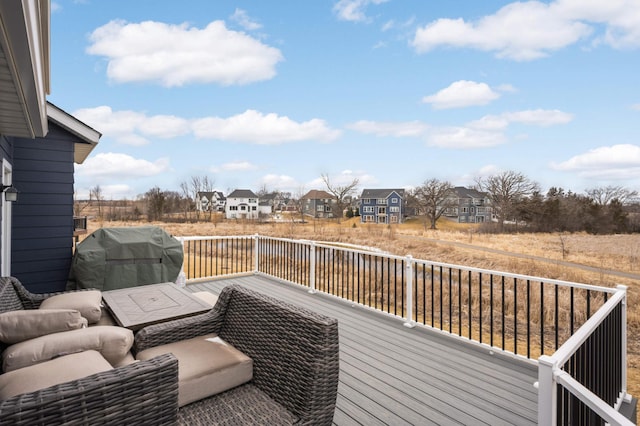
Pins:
x,y
581,327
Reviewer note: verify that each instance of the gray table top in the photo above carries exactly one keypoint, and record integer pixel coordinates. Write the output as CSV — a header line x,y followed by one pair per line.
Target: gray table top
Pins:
x,y
137,307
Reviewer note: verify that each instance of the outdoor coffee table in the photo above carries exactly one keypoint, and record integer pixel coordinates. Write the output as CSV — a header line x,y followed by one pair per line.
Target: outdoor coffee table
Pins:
x,y
137,307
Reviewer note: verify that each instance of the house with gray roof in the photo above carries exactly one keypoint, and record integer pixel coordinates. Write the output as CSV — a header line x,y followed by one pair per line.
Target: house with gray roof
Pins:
x,y
469,206
382,206
242,204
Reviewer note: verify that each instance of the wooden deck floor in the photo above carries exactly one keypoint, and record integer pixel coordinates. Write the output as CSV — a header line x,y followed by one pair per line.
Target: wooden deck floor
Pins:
x,y
393,375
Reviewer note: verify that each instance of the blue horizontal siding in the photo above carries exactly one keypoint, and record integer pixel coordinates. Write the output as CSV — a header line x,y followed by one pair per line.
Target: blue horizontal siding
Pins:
x,y
42,241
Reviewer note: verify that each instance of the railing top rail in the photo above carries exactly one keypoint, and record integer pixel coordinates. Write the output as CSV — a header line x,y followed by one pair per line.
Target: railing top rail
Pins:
x,y
213,237
564,352
348,248
522,277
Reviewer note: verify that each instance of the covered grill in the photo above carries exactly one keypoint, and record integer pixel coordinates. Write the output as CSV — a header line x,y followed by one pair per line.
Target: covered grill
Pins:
x,y
112,258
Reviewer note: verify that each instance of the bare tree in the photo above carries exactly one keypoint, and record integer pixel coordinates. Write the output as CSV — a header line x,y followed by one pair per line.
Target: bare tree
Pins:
x,y
199,184
156,203
340,193
433,198
605,195
506,190
95,193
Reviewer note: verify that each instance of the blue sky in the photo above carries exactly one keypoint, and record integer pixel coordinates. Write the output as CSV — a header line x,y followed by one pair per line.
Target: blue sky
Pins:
x,y
276,93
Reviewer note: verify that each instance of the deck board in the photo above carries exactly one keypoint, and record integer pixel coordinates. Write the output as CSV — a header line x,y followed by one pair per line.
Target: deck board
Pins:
x,y
391,374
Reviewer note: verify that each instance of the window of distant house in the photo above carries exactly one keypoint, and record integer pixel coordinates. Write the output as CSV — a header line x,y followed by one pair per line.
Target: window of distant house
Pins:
x,y
465,210
367,209
394,209
233,208
368,218
394,200
394,219
366,201
320,208
382,201
327,208
252,201
243,208
253,208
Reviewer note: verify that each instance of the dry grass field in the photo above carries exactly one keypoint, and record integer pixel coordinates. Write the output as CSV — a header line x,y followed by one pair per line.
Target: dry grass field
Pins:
x,y
554,255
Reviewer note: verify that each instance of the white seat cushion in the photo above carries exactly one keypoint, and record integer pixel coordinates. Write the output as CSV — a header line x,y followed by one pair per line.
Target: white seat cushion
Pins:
x,y
206,366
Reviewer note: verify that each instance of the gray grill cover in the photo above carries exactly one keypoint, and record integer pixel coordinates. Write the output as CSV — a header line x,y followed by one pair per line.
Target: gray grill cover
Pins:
x,y
112,258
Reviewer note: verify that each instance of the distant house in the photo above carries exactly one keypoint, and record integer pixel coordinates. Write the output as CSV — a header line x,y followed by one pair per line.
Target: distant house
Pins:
x,y
382,206
242,204
469,206
213,201
318,204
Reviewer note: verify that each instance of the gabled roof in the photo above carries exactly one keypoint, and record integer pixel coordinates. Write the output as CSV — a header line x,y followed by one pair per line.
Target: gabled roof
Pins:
x,y
462,192
242,193
381,193
210,194
315,194
88,137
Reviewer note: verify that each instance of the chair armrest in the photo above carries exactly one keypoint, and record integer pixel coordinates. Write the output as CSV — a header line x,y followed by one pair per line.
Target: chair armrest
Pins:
x,y
143,392
33,300
184,328
294,351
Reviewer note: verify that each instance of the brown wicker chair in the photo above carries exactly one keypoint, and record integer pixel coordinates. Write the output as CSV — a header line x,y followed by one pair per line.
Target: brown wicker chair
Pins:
x,y
295,356
140,393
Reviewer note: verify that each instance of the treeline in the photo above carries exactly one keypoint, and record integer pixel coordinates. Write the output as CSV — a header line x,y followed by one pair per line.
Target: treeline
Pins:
x,y
565,211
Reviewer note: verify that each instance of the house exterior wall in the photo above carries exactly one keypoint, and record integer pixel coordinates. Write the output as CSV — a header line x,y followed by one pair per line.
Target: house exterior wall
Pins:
x,y
387,209
241,208
42,240
318,208
469,206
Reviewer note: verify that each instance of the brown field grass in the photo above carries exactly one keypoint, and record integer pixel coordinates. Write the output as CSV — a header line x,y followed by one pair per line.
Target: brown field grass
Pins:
x,y
604,252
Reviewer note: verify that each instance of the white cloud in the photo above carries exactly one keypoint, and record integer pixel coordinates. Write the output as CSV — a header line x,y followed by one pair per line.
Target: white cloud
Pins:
x,y
120,125
234,166
484,132
396,130
530,30
175,55
279,182
135,128
460,94
264,129
353,10
131,127
465,138
388,25
490,122
164,126
241,18
636,107
121,166
607,162
539,117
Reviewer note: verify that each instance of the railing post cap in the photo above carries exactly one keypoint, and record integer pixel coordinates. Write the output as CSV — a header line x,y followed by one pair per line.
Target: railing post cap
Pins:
x,y
622,287
546,360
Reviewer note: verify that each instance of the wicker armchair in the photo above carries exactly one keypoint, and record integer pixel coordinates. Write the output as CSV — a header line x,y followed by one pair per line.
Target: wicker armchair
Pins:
x,y
140,393
295,360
